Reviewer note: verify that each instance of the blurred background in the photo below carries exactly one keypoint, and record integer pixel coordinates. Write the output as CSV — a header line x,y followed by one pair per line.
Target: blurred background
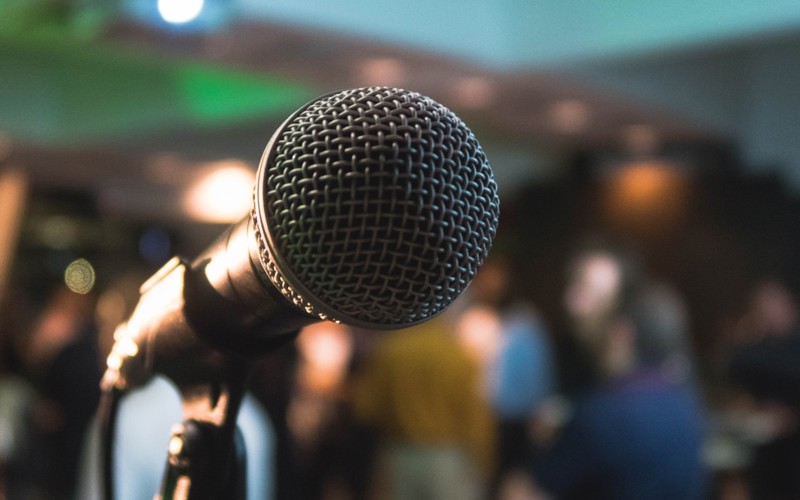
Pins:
x,y
130,131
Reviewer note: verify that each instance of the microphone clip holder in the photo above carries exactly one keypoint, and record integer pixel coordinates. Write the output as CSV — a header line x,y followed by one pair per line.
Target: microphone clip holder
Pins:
x,y
205,458
204,462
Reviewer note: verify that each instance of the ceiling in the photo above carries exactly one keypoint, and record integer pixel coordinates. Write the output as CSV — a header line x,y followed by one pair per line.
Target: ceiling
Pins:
x,y
129,109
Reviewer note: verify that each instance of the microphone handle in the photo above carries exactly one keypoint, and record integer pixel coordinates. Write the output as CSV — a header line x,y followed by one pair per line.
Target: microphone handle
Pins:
x,y
229,295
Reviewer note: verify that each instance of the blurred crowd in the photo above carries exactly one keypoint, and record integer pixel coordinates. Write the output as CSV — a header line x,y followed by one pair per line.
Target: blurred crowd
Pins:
x,y
492,399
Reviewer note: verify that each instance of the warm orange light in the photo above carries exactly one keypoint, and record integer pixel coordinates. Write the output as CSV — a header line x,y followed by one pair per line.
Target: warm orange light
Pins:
x,y
222,194
647,193
386,71
326,349
479,331
570,116
644,184
13,194
473,92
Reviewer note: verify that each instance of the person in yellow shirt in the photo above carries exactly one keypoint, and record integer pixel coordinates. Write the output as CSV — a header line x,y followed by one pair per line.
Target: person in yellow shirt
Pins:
x,y
422,392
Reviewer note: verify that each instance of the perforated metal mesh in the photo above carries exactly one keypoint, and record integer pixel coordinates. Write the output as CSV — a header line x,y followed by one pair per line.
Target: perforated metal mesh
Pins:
x,y
380,206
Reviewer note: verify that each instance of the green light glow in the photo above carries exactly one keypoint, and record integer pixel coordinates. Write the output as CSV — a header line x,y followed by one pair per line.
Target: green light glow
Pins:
x,y
213,94
57,91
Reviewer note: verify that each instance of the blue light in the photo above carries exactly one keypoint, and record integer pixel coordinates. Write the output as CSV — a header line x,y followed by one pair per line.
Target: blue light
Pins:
x,y
155,245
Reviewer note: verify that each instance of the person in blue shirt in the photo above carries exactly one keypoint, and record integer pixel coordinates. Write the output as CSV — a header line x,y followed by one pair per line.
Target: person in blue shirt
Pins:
x,y
521,380
519,363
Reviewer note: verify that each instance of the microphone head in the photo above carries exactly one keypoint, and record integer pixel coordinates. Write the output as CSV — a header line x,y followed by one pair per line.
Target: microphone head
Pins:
x,y
374,207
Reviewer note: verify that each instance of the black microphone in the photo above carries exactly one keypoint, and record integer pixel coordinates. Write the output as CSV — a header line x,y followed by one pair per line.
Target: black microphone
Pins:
x,y
373,207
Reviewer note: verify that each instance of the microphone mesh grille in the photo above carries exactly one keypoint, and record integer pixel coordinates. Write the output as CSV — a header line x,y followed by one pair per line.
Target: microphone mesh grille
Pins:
x,y
380,207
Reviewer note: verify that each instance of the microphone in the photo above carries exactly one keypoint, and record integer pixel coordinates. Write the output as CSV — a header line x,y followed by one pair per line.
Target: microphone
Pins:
x,y
373,207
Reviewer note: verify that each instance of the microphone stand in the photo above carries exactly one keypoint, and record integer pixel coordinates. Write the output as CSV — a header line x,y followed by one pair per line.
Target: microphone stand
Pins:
x,y
206,456
173,332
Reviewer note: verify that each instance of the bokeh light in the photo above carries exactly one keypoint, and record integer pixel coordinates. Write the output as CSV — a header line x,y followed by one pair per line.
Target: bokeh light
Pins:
x,y
179,11
224,194
80,276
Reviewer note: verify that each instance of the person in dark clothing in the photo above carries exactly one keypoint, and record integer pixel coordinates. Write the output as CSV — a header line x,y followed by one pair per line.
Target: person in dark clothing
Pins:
x,y
70,392
636,425
765,366
63,360
638,437
769,369
638,432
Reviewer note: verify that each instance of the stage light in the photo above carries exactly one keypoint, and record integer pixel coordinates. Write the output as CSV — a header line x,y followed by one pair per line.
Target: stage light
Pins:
x,y
179,11
650,195
641,185
474,92
223,194
386,71
570,116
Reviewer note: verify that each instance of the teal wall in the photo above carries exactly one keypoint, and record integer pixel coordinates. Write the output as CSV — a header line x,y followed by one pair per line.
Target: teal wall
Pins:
x,y
522,33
